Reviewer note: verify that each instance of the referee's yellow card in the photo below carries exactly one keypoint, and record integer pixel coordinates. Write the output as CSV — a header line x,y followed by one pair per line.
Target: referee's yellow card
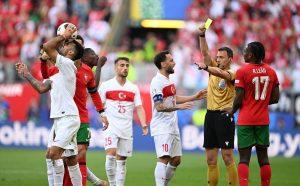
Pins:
x,y
207,23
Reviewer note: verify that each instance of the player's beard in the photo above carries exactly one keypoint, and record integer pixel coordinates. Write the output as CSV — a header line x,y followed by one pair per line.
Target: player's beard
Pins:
x,y
170,70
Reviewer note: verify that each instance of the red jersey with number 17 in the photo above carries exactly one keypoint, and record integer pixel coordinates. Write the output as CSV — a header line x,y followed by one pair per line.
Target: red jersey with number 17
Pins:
x,y
258,81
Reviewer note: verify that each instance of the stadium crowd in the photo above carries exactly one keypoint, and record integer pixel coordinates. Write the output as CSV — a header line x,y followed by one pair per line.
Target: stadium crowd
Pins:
x,y
25,24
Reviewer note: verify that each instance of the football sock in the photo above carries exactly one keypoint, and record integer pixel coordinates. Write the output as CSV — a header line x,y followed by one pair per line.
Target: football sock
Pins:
x,y
170,170
120,172
160,174
59,172
265,175
243,172
212,175
50,172
67,180
231,177
110,167
91,177
75,175
82,167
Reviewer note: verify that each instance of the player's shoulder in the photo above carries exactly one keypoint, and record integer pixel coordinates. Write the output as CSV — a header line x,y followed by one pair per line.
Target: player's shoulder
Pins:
x,y
106,83
131,84
86,67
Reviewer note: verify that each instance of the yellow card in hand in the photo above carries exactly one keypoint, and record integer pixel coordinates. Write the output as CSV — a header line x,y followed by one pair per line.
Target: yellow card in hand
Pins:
x,y
207,23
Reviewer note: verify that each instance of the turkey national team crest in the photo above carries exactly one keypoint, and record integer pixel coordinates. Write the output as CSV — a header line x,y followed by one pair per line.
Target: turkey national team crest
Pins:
x,y
222,84
122,96
86,77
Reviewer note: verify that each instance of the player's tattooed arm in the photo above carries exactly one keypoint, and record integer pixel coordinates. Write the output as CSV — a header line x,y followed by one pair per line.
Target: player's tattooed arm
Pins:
x,y
41,87
274,96
203,46
160,107
237,103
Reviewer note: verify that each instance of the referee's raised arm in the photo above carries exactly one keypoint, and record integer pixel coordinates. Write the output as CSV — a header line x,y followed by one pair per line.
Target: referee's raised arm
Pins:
x,y
203,46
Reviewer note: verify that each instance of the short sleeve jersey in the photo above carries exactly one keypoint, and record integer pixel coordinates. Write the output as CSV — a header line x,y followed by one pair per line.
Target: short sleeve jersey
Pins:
x,y
258,81
120,102
163,90
220,92
63,88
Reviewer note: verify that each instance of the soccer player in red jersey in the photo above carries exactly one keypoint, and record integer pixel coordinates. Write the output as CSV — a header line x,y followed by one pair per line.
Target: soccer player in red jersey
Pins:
x,y
257,87
84,81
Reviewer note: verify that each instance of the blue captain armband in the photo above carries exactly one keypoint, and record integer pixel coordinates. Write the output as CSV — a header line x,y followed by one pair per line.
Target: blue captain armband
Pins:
x,y
158,98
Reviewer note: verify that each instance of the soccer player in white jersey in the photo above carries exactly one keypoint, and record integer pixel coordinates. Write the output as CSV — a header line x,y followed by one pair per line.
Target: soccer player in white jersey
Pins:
x,y
164,125
120,97
63,108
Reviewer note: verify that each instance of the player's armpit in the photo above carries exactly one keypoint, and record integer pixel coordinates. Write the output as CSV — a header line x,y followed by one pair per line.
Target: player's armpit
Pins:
x,y
274,95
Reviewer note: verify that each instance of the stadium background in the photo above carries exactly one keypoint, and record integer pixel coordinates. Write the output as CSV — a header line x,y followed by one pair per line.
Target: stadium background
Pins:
x,y
138,29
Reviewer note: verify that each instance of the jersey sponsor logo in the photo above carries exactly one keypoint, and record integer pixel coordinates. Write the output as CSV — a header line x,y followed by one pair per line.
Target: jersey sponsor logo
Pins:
x,y
120,95
169,90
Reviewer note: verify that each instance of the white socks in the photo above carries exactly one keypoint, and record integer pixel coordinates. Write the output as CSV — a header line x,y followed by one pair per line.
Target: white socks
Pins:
x,y
91,177
170,170
110,167
75,175
50,172
59,172
121,172
160,174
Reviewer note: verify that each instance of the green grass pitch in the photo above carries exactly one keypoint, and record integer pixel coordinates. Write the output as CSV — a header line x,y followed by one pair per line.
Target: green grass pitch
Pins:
x,y
27,168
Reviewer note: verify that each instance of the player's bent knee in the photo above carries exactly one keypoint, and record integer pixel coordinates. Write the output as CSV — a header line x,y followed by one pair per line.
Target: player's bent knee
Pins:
x,y
71,161
111,152
227,156
176,161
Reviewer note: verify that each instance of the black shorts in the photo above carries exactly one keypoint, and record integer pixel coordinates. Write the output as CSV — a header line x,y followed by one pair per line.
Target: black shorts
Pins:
x,y
218,130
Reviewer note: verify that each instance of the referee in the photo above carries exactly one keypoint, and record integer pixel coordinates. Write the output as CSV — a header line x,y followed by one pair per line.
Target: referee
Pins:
x,y
218,127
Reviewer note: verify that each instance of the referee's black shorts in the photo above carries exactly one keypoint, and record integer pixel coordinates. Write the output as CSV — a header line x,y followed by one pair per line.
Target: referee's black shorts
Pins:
x,y
218,130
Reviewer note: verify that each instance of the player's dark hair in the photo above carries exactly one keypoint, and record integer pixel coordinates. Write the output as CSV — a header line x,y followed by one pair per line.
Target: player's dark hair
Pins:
x,y
121,58
257,49
79,37
88,51
78,50
228,50
160,57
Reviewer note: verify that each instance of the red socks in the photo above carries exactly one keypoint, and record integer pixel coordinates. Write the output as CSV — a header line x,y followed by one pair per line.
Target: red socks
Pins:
x,y
83,170
243,172
265,175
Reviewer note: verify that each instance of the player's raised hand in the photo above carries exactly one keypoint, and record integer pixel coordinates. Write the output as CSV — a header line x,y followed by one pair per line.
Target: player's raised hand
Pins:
x,y
105,122
186,105
201,94
145,130
22,69
200,65
101,61
71,28
202,29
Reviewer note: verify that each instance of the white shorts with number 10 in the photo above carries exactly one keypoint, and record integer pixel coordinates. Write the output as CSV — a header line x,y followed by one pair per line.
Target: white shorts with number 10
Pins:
x,y
168,145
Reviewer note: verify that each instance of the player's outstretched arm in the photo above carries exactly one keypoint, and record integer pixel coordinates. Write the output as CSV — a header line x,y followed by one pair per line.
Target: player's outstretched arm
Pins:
x,y
51,46
160,107
237,103
41,87
101,62
198,96
203,45
215,71
142,116
275,95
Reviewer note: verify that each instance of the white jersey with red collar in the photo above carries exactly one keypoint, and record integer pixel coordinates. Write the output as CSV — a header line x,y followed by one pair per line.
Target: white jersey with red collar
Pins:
x,y
120,102
163,90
